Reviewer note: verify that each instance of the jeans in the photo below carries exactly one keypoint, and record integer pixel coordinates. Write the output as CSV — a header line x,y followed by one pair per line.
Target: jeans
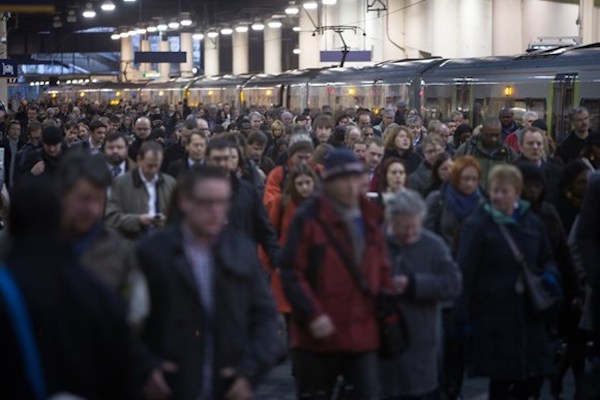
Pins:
x,y
316,375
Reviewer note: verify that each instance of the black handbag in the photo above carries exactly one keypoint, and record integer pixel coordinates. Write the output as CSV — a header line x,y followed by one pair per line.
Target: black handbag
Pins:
x,y
393,334
539,298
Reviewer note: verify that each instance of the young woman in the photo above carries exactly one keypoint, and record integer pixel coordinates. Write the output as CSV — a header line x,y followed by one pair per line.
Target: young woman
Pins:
x,y
398,144
440,172
392,179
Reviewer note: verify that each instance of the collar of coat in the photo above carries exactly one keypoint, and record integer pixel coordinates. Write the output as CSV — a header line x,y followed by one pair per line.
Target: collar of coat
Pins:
x,y
137,179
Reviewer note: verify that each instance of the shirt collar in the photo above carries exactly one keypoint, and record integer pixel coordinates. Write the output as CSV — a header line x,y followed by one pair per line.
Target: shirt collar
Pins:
x,y
146,182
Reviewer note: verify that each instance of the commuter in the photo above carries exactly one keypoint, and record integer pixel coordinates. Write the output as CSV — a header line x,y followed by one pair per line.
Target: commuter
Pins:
x,y
462,134
457,118
11,143
84,132
401,107
440,173
373,156
177,150
359,148
515,138
34,143
276,132
44,161
140,198
331,336
116,155
414,123
71,133
364,119
322,129
572,190
571,146
257,144
97,135
532,151
126,125
287,118
195,149
141,131
256,120
31,116
398,144
387,118
507,120
425,275
591,151
443,131
488,149
511,348
211,315
420,180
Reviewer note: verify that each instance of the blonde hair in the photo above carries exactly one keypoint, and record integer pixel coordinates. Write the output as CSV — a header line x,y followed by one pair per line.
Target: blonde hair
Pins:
x,y
506,173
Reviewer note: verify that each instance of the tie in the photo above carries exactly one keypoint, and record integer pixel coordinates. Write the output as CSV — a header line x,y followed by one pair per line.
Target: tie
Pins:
x,y
116,171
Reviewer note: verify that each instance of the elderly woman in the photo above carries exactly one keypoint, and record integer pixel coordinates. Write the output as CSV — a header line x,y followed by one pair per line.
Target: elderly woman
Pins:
x,y
510,343
424,275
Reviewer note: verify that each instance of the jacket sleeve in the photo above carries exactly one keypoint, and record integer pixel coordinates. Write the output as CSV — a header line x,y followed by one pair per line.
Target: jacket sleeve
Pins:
x,y
294,266
272,187
127,223
433,211
588,233
468,258
265,347
443,282
267,237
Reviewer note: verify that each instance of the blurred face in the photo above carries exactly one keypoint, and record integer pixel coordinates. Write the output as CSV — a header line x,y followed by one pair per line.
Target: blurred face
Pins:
x,y
84,133
305,186
14,131
451,127
255,151
300,157
205,212
277,131
234,160
532,190
142,129
32,114
503,196
415,129
344,122
352,137
368,132
35,137
533,146
98,135
431,151
287,119
360,149
506,119
53,150
402,140
490,136
72,135
581,122
444,133
444,170
323,133
387,119
196,147
364,120
458,120
219,158
83,207
469,181
374,155
395,177
345,190
406,228
528,121
580,184
115,152
150,163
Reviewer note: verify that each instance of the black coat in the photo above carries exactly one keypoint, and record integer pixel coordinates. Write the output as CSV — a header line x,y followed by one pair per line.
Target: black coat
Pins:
x,y
508,341
173,152
245,330
81,329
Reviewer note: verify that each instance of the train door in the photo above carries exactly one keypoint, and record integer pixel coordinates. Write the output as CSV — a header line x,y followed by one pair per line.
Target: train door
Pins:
x,y
562,94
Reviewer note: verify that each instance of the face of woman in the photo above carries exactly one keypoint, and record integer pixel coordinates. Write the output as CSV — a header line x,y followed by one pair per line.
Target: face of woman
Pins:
x,y
395,177
234,160
444,170
469,181
503,196
305,186
402,141
532,190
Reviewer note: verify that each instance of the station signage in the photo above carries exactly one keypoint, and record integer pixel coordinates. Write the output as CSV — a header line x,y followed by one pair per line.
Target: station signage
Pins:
x,y
8,68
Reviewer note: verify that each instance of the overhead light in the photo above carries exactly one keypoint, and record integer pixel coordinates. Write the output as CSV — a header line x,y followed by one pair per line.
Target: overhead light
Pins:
x,y
71,17
310,5
296,51
129,1
56,22
212,34
194,70
292,9
162,27
132,32
258,26
198,36
108,6
94,80
241,28
226,31
115,36
123,34
186,22
275,24
151,29
174,25
329,2
296,29
89,11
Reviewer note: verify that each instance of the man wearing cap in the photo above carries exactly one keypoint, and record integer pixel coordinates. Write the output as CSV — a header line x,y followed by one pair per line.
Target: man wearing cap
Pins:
x,y
334,331
44,161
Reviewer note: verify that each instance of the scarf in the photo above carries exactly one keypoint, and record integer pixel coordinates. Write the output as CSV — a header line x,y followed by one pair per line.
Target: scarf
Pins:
x,y
461,205
499,217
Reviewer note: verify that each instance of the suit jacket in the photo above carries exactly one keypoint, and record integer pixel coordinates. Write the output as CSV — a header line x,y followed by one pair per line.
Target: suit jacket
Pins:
x,y
244,330
129,199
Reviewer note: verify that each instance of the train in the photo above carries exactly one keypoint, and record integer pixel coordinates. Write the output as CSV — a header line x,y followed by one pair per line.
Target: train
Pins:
x,y
550,82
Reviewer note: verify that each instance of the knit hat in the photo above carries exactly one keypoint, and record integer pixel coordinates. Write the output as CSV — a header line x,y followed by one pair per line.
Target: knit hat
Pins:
x,y
51,135
341,162
540,124
300,143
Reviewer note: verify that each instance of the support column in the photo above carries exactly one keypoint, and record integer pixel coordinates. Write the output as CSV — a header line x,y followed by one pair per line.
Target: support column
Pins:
x,y
126,70
164,68
240,53
475,28
309,45
375,29
586,20
144,46
3,54
211,56
444,26
186,45
393,31
507,39
272,39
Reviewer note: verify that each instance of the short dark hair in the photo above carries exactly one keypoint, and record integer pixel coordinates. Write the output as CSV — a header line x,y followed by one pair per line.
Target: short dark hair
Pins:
x,y
203,172
258,137
95,124
70,125
113,137
78,165
34,126
217,144
150,146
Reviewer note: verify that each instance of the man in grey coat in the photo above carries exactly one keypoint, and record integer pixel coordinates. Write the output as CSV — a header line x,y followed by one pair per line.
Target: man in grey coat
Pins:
x,y
426,276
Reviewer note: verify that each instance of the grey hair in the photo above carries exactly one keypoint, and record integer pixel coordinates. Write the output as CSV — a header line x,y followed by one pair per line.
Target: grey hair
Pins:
x,y
528,114
300,137
405,202
287,114
255,114
413,119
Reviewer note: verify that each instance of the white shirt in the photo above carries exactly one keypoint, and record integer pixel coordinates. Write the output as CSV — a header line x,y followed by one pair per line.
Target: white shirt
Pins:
x,y
151,189
95,149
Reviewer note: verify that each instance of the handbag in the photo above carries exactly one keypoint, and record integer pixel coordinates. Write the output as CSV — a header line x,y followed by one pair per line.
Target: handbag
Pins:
x,y
539,298
393,334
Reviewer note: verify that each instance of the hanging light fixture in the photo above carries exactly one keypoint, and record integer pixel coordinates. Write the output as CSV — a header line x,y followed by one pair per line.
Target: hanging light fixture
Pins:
x,y
198,36
129,1
241,28
274,24
296,29
151,29
186,20
162,27
226,31
258,26
132,32
123,34
310,5
140,31
56,22
329,2
108,6
115,36
173,25
296,51
89,11
292,9
212,34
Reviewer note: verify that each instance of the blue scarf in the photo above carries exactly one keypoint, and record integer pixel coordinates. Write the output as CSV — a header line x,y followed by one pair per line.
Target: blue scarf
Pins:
x,y
461,205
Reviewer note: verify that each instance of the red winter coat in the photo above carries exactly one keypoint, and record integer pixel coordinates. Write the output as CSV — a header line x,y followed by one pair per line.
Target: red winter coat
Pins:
x,y
317,282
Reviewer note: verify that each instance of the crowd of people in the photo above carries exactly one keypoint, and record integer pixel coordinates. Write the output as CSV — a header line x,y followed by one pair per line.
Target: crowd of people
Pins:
x,y
168,252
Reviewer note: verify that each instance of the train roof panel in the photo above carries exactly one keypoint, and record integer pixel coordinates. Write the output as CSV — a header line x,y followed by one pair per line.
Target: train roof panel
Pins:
x,y
219,81
293,77
173,83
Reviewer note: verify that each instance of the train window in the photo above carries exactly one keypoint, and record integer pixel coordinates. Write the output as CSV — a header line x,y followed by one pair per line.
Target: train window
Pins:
x,y
532,104
593,107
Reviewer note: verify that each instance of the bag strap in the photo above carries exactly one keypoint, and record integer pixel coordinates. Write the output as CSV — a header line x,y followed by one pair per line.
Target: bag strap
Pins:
x,y
350,264
19,316
511,243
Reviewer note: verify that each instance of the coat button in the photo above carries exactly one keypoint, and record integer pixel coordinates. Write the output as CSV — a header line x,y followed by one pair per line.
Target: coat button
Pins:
x,y
198,333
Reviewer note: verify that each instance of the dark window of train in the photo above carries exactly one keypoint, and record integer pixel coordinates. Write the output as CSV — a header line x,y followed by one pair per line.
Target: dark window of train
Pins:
x,y
593,107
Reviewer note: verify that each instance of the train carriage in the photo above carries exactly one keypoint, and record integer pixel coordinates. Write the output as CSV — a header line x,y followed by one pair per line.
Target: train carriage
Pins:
x,y
216,89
